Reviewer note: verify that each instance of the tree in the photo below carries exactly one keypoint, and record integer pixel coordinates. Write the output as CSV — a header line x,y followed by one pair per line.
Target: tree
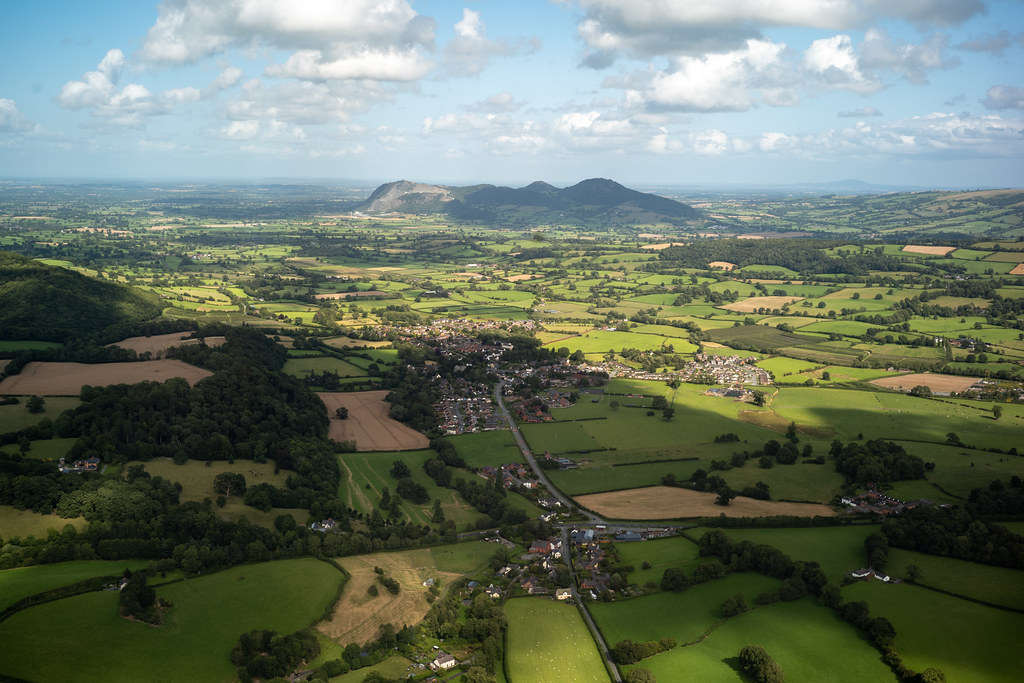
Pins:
x,y
997,412
668,413
35,404
229,484
341,413
639,675
659,403
758,398
400,470
953,439
614,405
737,604
725,496
756,661
914,573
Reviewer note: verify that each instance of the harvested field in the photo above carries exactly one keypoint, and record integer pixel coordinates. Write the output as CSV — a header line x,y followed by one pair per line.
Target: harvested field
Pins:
x,y
158,343
933,251
341,342
666,502
663,245
349,295
470,275
67,379
357,617
935,382
723,265
1018,270
755,302
520,278
369,424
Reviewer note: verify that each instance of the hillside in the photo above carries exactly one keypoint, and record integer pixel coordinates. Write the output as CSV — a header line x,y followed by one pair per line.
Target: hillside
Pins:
x,y
596,201
49,303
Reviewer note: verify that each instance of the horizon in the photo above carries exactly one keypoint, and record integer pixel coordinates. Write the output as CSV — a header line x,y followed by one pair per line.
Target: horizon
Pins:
x,y
673,94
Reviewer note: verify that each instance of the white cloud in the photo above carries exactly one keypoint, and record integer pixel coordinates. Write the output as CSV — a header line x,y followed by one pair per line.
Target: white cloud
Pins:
x,y
499,103
879,52
241,130
364,63
12,120
469,52
1004,97
835,62
861,113
711,142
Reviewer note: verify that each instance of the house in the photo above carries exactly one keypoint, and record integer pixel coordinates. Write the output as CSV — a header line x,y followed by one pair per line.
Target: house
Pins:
x,y
628,536
492,591
443,662
563,593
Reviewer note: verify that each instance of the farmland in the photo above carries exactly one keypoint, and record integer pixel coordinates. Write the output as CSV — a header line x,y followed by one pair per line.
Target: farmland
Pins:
x,y
662,502
548,641
67,379
368,423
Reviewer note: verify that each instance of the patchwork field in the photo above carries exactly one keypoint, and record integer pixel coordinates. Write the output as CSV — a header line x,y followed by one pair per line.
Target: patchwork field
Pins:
x,y
368,423
665,502
548,641
67,379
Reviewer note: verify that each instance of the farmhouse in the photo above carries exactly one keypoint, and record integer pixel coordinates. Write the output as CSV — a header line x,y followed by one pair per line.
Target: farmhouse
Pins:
x,y
563,593
443,662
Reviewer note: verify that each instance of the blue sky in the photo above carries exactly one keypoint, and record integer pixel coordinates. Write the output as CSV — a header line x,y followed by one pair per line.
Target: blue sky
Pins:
x,y
667,92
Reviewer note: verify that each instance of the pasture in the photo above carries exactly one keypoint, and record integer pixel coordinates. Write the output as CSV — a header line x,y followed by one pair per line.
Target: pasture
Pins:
x,y
67,379
548,641
662,553
837,549
368,422
665,502
300,367
994,585
22,582
21,524
209,614
967,641
808,641
492,448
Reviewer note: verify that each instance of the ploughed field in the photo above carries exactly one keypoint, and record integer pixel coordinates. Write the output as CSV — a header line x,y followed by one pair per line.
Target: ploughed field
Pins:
x,y
67,379
368,423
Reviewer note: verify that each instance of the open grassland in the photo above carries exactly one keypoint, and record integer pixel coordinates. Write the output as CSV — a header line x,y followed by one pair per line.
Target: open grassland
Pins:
x,y
800,481
967,641
358,616
196,477
67,379
364,478
808,641
16,523
368,423
662,553
492,448
43,449
158,343
994,585
23,582
665,502
685,616
548,641
209,614
837,549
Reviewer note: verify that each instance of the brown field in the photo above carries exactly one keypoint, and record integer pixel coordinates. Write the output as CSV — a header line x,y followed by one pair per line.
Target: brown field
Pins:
x,y
368,423
667,502
1018,270
67,379
520,278
933,251
158,343
358,617
339,342
755,302
469,275
663,245
724,265
346,295
939,383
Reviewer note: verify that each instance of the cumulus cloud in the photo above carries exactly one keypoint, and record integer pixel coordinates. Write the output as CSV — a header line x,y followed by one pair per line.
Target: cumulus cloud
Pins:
x,y
1004,97
502,102
469,52
304,102
12,120
911,61
646,28
862,113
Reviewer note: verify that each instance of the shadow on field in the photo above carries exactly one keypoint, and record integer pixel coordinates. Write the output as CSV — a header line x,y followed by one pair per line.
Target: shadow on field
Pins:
x,y
734,664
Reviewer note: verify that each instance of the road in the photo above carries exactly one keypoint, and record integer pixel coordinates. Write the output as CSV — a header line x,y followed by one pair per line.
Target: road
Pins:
x,y
598,638
528,454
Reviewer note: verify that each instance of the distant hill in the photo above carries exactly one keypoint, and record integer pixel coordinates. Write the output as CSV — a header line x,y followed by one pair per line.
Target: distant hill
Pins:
x,y
596,202
48,303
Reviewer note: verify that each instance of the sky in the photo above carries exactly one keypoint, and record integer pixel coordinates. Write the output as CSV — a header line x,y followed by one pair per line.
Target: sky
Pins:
x,y
646,92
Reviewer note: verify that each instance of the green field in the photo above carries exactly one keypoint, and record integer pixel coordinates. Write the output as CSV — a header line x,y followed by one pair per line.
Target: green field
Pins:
x,y
16,417
300,367
22,582
209,614
662,553
837,549
808,641
548,641
492,448
21,524
967,641
994,585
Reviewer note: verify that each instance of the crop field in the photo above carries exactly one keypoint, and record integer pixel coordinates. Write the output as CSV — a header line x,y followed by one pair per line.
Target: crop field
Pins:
x,y
994,585
967,641
665,502
358,616
935,382
808,641
158,343
493,448
300,367
368,423
548,641
67,379
22,582
208,615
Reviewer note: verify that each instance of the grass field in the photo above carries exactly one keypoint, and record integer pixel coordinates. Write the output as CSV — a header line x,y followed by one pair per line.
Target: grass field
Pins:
x,y
967,641
662,554
837,549
300,367
548,641
22,582
487,448
24,523
209,614
808,641
994,585
16,416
